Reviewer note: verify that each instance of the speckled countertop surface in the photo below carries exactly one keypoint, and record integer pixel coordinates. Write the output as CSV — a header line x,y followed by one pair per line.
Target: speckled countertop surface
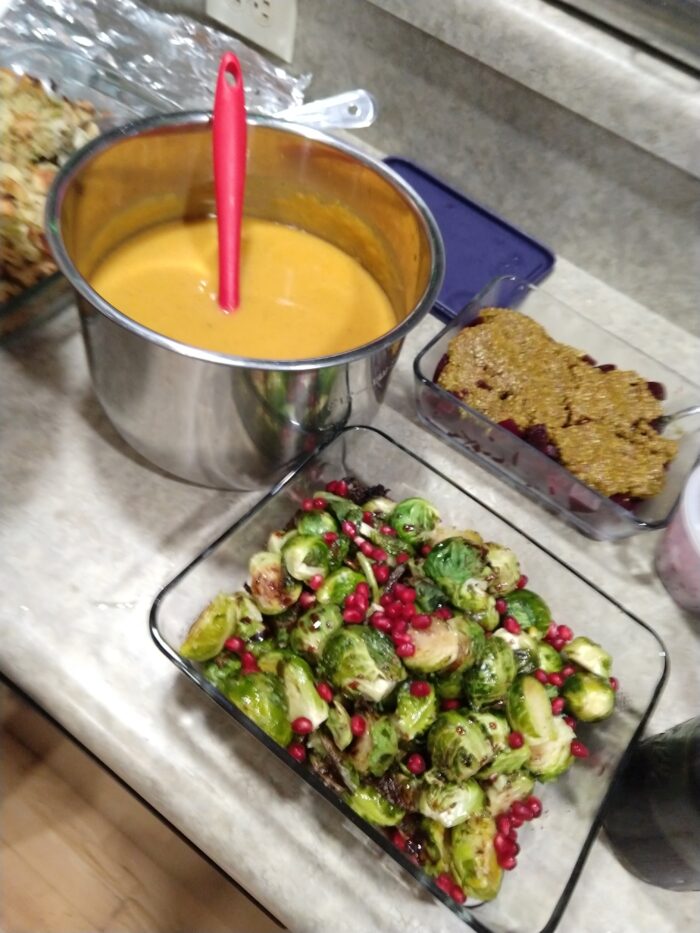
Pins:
x,y
89,534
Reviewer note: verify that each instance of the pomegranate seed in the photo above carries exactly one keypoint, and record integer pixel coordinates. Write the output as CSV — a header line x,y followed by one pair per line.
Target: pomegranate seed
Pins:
x,y
408,611
457,894
508,863
358,540
380,555
522,582
450,704
348,528
399,627
402,557
332,486
540,675
234,644
399,840
320,504
324,691
307,505
520,810
558,643
421,621
400,638
558,705
367,548
249,663
570,721
368,518
568,671
297,751
385,600
443,613
614,683
362,589
420,688
358,725
516,822
552,630
393,610
380,622
306,600
406,649
501,844
444,882
534,805
408,594
416,763
563,631
578,749
316,581
350,601
516,740
302,726
556,680
501,606
362,605
330,537
381,573
425,550
512,625
352,616
503,824
388,531
341,488
658,390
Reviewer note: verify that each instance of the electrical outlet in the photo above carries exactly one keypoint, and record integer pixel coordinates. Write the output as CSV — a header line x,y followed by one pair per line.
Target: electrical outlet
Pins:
x,y
271,24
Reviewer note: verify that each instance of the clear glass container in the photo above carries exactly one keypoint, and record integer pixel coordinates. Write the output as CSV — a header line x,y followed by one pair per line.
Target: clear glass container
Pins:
x,y
554,847
523,466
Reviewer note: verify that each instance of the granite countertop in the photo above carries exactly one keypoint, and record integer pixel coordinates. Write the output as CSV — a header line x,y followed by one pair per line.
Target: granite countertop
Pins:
x,y
89,534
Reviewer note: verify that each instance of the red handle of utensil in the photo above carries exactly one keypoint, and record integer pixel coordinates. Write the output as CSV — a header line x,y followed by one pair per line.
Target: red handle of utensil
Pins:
x,y
229,145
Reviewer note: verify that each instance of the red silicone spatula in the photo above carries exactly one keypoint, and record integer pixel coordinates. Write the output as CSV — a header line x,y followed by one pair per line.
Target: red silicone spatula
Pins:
x,y
229,138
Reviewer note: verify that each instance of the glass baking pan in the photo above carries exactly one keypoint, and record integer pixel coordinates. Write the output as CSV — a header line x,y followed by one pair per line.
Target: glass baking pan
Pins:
x,y
533,897
116,101
523,466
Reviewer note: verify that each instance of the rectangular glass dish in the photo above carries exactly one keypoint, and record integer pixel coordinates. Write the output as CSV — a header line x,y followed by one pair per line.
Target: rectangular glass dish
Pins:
x,y
555,846
525,467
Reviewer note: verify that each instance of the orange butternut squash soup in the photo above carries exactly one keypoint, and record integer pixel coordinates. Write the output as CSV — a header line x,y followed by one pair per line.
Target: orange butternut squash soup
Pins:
x,y
301,296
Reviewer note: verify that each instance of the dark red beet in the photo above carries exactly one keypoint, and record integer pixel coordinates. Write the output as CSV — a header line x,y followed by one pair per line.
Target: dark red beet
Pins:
x,y
440,366
511,426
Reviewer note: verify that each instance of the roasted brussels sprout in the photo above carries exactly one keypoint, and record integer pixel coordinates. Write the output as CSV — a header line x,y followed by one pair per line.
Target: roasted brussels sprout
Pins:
x,y
528,708
496,728
276,541
316,523
379,505
453,563
261,697
313,629
338,724
305,556
473,857
377,748
338,585
551,757
458,746
414,519
447,803
506,762
360,661
338,551
524,648
529,609
490,679
221,670
548,658
300,689
434,839
503,569
588,697
210,630
368,803
271,590
590,655
441,647
429,596
333,767
343,509
414,714
247,619
505,789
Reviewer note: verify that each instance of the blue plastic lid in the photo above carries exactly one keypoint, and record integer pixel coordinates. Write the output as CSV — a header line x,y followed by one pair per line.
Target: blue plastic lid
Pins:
x,y
479,245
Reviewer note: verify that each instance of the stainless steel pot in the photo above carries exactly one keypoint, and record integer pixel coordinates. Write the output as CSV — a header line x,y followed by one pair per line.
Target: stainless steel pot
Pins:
x,y
208,417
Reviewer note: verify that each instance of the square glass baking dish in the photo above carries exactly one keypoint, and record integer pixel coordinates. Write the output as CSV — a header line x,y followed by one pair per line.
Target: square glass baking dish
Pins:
x,y
554,847
524,467
116,101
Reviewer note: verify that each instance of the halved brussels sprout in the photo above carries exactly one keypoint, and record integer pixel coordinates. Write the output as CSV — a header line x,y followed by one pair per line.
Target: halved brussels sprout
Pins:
x,y
247,618
360,661
313,629
338,551
434,839
490,679
548,658
551,757
316,523
589,654
504,569
270,658
333,767
524,648
414,715
505,789
366,568
528,708
588,697
338,724
368,803
458,746
496,729
458,568
343,509
447,803
506,762
529,609
210,630
414,519
277,539
429,596
338,585
377,748
473,857
300,689
379,505
221,670
306,556
441,647
261,697
271,589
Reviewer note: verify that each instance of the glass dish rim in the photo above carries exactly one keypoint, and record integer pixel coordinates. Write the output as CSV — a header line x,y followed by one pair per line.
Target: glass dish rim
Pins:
x,y
419,375
465,913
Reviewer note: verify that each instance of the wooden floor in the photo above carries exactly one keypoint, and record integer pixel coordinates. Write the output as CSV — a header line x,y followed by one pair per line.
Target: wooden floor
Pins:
x,y
79,854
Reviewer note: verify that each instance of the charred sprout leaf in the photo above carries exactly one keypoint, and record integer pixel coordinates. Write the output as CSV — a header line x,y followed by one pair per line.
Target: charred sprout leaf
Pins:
x,y
334,768
588,697
457,567
277,539
434,841
377,748
548,658
506,762
503,569
368,803
343,509
361,662
448,803
261,697
524,648
380,505
247,618
458,746
490,679
414,519
338,551
221,670
529,710
590,655
338,724
313,630
305,556
271,590
414,715
551,757
529,610
316,523
210,630
496,729
505,789
429,596
473,857
338,585
300,689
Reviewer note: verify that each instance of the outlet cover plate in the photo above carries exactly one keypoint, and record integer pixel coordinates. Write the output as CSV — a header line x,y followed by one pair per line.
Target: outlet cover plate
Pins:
x,y
270,24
